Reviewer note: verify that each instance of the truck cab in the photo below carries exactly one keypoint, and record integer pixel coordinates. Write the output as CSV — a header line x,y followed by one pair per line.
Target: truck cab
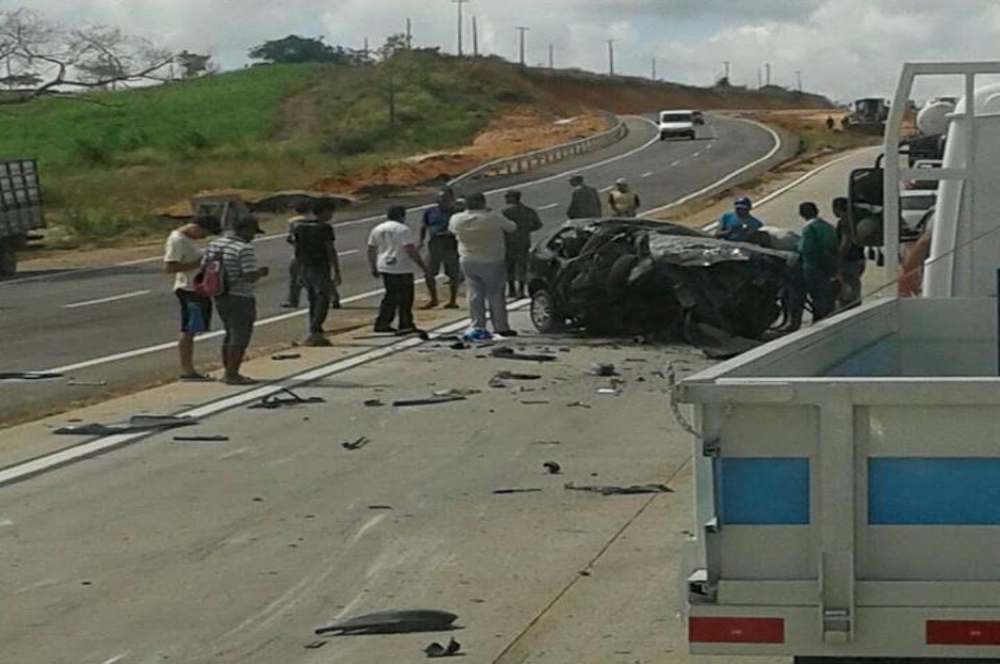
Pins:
x,y
847,480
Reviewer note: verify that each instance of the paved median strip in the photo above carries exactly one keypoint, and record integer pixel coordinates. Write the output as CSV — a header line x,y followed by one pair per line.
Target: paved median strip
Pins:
x,y
105,444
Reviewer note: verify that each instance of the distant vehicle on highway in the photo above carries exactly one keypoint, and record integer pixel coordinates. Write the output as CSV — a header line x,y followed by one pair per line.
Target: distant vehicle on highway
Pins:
x,y
914,204
680,124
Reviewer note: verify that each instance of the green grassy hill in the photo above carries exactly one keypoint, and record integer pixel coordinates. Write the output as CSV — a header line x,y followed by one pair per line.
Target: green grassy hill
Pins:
x,y
109,158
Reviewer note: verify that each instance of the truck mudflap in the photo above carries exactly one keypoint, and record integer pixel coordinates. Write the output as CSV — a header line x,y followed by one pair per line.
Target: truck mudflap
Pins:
x,y
847,483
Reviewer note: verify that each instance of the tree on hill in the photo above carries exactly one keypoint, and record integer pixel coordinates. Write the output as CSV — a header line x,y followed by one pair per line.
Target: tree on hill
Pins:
x,y
194,65
40,58
295,49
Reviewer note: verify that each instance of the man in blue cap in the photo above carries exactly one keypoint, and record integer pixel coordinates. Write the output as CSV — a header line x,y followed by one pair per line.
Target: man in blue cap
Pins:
x,y
739,225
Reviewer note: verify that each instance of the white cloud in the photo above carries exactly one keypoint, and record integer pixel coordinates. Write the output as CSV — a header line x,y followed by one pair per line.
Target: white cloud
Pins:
x,y
846,48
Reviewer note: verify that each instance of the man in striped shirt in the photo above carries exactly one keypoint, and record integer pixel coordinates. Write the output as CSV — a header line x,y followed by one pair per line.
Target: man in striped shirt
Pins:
x,y
237,306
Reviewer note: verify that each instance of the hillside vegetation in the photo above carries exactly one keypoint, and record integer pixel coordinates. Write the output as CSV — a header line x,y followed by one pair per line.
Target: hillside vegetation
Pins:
x,y
108,159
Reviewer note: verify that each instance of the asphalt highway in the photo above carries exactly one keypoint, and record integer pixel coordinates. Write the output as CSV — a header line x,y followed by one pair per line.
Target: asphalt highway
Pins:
x,y
112,326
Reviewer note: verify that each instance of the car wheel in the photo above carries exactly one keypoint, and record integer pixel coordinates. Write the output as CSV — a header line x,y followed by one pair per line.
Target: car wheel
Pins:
x,y
663,137
693,136
544,316
8,260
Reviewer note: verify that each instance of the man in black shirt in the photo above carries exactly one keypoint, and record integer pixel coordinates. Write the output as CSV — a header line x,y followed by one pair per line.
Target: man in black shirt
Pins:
x,y
316,255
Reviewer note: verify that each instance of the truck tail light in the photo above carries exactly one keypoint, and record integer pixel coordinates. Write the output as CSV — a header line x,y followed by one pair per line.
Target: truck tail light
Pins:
x,y
963,633
736,630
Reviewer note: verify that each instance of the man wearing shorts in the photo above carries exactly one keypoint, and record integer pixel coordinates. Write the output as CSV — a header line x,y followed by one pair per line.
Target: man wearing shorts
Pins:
x,y
442,248
238,305
182,258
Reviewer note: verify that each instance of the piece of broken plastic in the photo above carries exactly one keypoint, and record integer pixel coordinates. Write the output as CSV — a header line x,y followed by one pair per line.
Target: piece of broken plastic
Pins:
x,y
393,622
135,423
621,490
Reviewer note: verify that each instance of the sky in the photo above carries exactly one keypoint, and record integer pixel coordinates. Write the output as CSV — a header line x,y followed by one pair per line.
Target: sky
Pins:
x,y
843,48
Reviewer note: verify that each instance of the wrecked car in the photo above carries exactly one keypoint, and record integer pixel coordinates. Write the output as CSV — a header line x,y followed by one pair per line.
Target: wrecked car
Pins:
x,y
635,276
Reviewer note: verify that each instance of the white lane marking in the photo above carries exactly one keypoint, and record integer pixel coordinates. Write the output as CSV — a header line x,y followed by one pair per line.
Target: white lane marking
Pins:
x,y
368,220
696,155
606,189
371,523
118,658
704,190
676,163
648,175
105,300
548,207
139,352
106,444
6,523
710,145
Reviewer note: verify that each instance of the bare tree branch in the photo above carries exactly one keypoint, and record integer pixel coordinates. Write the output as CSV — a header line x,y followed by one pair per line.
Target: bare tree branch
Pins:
x,y
92,58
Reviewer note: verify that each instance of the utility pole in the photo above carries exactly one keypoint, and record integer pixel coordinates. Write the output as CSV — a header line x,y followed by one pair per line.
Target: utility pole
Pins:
x,y
611,56
523,30
727,65
552,56
409,34
767,68
760,83
654,69
461,24
475,37
367,51
798,76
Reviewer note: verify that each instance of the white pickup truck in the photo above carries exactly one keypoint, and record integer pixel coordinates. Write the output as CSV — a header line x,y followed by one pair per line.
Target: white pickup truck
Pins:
x,y
848,476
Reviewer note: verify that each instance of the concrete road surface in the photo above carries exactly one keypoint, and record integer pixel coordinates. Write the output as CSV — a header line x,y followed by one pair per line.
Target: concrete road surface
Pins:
x,y
116,325
234,551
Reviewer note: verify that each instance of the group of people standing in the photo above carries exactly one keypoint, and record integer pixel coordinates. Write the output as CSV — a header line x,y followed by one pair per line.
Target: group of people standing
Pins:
x,y
486,250
828,274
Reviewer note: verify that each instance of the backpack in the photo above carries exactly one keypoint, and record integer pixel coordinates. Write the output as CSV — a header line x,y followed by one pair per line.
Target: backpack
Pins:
x,y
211,280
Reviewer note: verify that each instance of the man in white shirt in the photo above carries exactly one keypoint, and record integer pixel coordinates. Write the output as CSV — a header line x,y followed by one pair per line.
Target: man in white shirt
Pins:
x,y
393,257
482,247
182,258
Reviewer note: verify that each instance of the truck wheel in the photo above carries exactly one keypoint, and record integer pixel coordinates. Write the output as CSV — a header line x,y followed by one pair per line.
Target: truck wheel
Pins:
x,y
544,316
8,260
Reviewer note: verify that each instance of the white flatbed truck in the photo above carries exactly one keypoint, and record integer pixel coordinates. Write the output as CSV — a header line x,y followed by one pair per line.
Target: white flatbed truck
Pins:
x,y
847,477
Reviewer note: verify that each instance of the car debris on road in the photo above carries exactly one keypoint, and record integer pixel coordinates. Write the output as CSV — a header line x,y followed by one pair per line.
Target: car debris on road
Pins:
x,y
436,650
393,622
639,277
621,490
290,398
134,424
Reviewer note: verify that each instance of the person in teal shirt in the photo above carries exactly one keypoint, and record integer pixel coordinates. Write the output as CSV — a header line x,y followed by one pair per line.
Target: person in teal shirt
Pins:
x,y
739,225
818,250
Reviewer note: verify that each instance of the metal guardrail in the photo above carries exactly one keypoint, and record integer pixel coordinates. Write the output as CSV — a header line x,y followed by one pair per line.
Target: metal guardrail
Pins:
x,y
531,160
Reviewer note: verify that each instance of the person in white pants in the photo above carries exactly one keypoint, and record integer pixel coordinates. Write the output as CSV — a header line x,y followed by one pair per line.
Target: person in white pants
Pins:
x,y
483,252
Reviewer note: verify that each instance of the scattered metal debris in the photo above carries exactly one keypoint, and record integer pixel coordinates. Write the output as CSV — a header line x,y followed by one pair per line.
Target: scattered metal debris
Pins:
x,y
510,375
507,492
201,439
429,401
374,403
552,467
28,375
284,357
380,507
610,391
604,370
459,345
316,645
132,425
580,404
621,490
276,400
393,622
356,444
436,650
458,392
547,442
507,353
87,383
535,402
